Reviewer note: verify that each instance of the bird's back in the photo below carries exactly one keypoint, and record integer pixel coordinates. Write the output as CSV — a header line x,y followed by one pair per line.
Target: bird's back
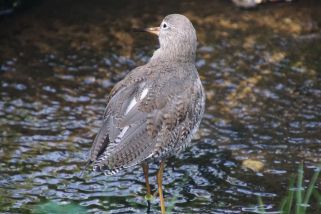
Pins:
x,y
150,114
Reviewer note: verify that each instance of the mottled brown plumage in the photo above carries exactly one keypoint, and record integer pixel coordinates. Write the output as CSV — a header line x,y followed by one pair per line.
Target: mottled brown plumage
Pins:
x,y
155,110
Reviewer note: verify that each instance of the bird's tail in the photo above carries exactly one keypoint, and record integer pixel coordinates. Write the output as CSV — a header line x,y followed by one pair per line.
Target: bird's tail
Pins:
x,y
84,168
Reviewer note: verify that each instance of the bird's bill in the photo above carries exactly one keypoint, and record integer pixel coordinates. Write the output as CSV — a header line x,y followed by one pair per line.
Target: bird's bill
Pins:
x,y
152,30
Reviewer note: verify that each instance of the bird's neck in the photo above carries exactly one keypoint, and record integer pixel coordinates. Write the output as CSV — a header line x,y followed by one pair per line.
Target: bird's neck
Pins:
x,y
174,54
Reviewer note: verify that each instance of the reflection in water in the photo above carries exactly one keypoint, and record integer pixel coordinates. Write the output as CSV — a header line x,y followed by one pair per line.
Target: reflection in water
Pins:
x,y
261,70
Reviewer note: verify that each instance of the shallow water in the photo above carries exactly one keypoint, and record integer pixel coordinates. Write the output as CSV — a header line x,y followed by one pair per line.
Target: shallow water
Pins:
x,y
262,74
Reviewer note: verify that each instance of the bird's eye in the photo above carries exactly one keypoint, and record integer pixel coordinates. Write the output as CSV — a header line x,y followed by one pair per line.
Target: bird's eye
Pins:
x,y
164,26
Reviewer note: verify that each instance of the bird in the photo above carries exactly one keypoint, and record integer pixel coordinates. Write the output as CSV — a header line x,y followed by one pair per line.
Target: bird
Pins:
x,y
247,4
156,109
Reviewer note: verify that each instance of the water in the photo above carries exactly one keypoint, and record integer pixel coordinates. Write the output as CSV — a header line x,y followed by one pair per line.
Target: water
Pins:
x,y
261,71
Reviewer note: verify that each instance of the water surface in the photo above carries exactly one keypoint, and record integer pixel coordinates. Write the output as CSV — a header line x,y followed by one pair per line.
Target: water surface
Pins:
x,y
260,69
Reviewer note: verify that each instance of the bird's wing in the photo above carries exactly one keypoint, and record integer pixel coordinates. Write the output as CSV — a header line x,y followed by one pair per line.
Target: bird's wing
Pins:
x,y
122,89
140,113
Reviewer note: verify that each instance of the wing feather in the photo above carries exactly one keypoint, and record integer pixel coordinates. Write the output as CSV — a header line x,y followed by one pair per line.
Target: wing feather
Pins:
x,y
143,117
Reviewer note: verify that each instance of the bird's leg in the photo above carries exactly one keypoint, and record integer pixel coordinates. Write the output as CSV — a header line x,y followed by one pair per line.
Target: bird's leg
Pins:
x,y
148,196
160,189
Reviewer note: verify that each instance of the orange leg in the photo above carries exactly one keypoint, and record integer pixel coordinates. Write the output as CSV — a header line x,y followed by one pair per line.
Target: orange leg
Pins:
x,y
145,169
160,189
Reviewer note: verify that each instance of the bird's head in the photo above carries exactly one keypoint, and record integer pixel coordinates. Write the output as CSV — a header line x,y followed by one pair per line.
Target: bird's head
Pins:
x,y
177,38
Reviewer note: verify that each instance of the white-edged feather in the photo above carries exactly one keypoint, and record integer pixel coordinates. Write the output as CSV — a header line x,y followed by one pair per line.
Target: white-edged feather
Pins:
x,y
133,102
131,105
144,93
122,133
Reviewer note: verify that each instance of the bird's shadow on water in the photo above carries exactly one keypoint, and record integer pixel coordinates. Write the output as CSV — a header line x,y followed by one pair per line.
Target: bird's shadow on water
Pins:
x,y
137,201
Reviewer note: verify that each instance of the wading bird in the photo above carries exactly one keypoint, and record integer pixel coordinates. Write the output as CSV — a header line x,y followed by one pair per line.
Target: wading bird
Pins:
x,y
156,109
